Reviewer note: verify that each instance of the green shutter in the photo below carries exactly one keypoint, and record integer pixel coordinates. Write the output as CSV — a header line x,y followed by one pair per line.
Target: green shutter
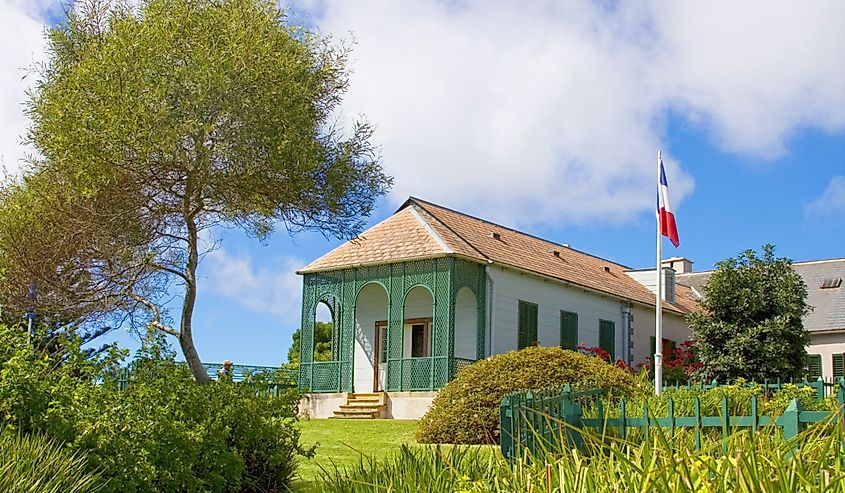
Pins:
x,y
521,325
838,365
813,366
607,337
527,330
568,330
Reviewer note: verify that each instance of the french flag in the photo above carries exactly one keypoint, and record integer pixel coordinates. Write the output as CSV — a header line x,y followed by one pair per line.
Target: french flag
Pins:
x,y
665,216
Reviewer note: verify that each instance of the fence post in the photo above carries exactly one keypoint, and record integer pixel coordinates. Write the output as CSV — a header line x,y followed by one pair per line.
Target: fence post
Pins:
x,y
622,418
697,424
572,418
671,418
819,383
506,427
725,423
754,414
791,424
840,400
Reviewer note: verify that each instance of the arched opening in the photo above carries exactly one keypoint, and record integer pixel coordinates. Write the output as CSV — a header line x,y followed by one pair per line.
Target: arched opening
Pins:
x,y
417,368
466,325
370,356
325,333
417,314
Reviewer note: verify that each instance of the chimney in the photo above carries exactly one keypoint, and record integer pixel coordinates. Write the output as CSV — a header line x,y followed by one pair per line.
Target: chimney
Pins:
x,y
680,265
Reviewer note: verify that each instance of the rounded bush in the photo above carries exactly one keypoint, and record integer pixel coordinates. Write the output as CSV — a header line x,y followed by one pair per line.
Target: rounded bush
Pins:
x,y
466,410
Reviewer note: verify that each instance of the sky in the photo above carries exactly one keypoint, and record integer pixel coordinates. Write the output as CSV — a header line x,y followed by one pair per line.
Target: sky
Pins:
x,y
547,117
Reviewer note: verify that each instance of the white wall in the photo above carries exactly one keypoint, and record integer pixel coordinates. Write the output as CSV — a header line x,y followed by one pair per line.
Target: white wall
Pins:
x,y
648,278
674,329
509,287
826,345
370,307
466,324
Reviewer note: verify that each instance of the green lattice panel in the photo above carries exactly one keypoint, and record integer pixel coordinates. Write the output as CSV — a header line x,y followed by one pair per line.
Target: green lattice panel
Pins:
x,y
394,375
416,374
443,276
441,372
326,376
418,272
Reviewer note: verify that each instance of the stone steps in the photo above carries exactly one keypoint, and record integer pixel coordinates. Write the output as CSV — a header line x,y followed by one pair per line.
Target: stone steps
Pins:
x,y
362,406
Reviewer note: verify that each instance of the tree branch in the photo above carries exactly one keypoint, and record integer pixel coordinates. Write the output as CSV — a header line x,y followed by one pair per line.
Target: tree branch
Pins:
x,y
156,321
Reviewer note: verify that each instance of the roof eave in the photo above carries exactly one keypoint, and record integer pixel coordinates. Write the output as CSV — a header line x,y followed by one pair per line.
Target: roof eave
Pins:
x,y
390,262
666,307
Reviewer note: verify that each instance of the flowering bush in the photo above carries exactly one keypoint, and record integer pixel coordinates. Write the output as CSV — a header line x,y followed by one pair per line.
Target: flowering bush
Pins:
x,y
679,364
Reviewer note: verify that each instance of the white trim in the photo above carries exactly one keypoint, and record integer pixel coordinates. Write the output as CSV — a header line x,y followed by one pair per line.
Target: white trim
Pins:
x,y
431,231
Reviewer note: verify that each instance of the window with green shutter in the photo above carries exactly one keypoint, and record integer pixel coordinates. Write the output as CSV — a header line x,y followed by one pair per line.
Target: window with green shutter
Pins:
x,y
568,330
838,365
813,366
527,330
607,337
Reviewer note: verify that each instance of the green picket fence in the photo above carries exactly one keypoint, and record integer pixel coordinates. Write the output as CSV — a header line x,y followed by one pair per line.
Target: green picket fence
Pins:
x,y
536,422
821,387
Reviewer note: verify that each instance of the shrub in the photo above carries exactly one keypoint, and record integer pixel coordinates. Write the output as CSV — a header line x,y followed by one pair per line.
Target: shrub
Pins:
x,y
165,432
37,464
467,409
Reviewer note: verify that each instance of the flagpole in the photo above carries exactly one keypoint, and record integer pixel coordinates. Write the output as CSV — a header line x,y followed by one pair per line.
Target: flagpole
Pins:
x,y
658,316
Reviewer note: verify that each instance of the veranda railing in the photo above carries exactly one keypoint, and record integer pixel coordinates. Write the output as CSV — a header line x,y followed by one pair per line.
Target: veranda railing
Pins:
x,y
239,372
538,421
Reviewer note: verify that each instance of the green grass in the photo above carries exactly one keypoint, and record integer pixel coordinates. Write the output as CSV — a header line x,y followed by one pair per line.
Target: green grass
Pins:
x,y
764,462
341,443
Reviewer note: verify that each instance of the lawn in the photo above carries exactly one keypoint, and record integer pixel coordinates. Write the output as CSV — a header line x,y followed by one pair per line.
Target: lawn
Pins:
x,y
340,442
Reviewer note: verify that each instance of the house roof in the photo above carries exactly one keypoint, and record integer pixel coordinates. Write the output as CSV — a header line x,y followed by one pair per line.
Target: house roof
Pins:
x,y
421,229
828,304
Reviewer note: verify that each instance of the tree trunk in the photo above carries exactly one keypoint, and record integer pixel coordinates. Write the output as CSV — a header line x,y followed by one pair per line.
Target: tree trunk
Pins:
x,y
186,339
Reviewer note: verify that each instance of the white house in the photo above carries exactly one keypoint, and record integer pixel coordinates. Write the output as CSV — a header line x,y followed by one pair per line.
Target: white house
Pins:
x,y
429,290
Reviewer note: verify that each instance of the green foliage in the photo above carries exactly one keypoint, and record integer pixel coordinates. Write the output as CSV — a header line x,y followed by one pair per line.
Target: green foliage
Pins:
x,y
37,464
751,326
739,394
156,122
165,432
762,462
466,410
322,344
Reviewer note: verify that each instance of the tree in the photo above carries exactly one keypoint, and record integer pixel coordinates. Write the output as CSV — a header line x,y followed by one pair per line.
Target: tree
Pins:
x,y
157,124
322,344
751,326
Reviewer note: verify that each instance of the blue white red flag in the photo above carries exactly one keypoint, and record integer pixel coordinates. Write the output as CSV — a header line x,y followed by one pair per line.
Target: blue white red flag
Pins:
x,y
665,216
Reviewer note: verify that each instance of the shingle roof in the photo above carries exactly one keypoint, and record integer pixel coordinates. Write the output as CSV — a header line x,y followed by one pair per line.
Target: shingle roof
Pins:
x,y
421,229
828,304
403,235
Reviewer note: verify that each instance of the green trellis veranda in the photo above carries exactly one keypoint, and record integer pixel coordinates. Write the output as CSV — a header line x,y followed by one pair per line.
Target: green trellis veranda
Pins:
x,y
444,277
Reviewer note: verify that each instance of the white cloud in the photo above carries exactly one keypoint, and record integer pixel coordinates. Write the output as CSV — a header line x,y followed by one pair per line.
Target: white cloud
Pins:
x,y
831,202
23,44
271,286
756,71
550,112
